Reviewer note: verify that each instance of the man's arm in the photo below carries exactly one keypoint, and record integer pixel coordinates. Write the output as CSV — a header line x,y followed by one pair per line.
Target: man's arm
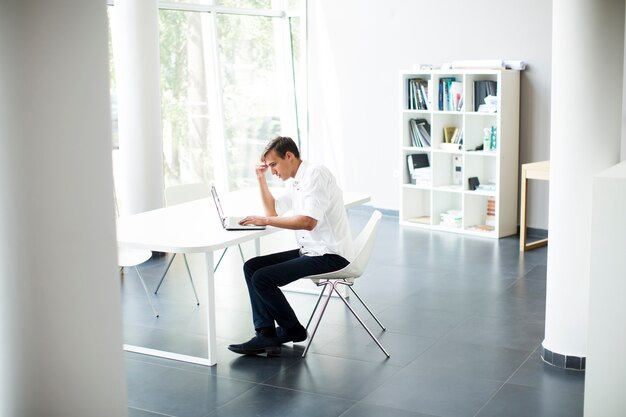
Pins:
x,y
271,218
269,204
298,222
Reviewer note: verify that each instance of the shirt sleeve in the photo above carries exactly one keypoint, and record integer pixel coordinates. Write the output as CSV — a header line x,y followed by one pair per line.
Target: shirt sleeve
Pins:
x,y
317,199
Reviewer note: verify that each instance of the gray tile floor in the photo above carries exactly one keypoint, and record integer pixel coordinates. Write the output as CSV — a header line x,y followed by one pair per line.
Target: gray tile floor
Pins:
x,y
464,318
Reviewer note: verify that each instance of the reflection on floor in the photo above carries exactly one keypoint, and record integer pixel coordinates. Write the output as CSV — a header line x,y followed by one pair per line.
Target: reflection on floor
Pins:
x,y
464,318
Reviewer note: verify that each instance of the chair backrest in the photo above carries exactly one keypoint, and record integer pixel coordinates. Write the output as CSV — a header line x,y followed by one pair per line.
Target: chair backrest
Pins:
x,y
177,194
363,245
132,257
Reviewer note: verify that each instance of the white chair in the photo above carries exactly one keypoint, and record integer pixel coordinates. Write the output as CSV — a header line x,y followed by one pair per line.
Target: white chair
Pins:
x,y
183,193
363,245
133,257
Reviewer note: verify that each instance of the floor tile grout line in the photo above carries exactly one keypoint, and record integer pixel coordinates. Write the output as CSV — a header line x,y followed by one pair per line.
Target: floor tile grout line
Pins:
x,y
505,382
152,412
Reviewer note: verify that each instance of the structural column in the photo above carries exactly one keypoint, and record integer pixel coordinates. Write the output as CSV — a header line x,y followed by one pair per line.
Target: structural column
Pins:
x,y
60,310
135,33
587,71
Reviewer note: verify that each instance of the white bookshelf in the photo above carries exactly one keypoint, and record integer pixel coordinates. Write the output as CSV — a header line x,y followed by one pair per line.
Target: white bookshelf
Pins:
x,y
421,204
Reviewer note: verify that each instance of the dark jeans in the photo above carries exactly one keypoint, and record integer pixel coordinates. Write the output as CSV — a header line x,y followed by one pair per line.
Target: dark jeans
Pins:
x,y
265,274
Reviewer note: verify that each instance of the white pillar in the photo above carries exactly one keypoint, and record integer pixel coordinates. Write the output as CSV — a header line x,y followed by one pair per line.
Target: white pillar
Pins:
x,y
60,311
587,71
135,35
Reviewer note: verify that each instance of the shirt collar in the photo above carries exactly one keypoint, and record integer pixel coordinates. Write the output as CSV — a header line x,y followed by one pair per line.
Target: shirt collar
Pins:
x,y
300,173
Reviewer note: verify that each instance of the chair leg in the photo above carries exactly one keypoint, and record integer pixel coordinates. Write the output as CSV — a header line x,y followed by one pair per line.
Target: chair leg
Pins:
x,y
222,257
219,261
325,284
146,291
243,258
191,279
165,273
366,307
319,298
356,315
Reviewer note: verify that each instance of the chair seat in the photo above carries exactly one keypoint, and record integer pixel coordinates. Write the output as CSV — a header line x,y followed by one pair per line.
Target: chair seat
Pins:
x,y
132,257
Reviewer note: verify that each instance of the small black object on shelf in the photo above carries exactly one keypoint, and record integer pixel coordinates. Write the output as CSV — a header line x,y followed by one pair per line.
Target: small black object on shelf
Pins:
x,y
473,183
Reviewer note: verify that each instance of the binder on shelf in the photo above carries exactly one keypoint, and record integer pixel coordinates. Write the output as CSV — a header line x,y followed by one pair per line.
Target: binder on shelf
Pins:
x,y
450,94
482,89
419,168
452,136
456,96
417,161
448,133
420,132
417,94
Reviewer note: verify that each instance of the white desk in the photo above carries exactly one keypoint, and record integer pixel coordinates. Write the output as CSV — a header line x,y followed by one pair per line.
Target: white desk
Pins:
x,y
194,227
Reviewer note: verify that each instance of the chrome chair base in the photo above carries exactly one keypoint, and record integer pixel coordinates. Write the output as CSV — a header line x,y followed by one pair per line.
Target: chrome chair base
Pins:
x,y
332,285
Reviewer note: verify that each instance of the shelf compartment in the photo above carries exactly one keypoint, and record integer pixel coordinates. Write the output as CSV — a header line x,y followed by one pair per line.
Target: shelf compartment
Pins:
x,y
416,205
470,79
480,165
411,96
425,180
438,98
444,201
475,123
445,172
406,129
476,219
439,122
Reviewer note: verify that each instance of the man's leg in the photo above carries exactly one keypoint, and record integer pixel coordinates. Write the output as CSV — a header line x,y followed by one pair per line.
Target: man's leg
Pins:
x,y
269,303
266,282
261,316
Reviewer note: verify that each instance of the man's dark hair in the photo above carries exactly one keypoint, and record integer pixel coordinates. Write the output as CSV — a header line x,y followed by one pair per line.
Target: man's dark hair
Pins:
x,y
281,145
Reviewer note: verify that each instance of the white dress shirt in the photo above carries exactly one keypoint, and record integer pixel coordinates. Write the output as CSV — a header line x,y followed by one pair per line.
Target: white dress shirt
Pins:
x,y
314,192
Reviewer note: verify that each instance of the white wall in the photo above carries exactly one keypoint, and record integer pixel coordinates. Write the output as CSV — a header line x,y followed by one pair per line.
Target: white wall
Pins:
x,y
358,48
60,311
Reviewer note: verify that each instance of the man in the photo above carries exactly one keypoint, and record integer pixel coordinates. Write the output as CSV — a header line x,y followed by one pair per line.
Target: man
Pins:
x,y
324,243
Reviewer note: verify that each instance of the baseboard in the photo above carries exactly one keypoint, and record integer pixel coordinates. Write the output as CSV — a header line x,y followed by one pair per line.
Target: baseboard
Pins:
x,y
536,233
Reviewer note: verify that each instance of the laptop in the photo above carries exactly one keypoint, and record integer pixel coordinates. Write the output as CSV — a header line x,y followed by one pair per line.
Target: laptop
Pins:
x,y
230,223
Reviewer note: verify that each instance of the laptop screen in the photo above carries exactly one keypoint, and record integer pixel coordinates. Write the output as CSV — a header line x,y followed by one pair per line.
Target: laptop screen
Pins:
x,y
218,205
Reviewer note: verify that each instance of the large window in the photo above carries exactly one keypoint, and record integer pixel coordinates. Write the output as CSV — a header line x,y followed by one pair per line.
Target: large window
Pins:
x,y
231,80
232,77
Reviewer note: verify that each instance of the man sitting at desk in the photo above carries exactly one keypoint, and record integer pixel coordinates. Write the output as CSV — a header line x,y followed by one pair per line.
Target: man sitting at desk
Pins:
x,y
324,243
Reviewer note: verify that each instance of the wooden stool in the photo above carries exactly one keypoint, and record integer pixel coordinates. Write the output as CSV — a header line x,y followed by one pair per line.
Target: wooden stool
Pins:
x,y
531,171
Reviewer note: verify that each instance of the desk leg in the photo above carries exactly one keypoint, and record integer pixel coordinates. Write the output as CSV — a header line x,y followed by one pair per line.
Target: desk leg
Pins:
x,y
210,310
257,247
211,328
522,214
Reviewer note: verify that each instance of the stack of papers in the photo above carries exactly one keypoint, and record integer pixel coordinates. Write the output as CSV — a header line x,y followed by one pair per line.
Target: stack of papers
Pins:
x,y
421,176
451,218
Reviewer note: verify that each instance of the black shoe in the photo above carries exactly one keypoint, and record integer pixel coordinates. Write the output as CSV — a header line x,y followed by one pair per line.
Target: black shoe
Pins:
x,y
258,345
296,335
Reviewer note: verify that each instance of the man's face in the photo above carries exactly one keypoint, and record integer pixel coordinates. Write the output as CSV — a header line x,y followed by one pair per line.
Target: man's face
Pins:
x,y
281,167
